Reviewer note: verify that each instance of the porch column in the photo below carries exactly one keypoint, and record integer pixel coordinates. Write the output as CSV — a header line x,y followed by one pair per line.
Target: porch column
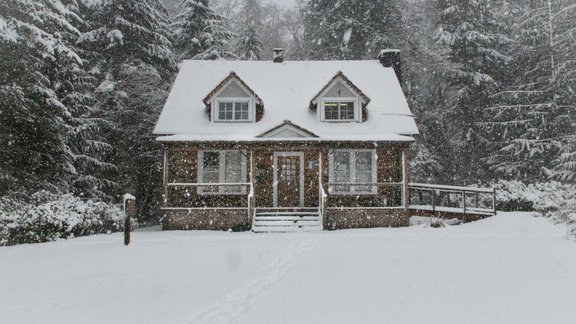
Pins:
x,y
405,177
165,177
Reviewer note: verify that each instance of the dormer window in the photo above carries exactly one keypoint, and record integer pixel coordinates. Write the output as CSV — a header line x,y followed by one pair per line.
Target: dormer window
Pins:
x,y
339,110
234,110
232,101
340,101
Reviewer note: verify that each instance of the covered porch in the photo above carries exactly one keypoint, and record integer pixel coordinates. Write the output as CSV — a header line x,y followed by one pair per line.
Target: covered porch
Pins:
x,y
288,184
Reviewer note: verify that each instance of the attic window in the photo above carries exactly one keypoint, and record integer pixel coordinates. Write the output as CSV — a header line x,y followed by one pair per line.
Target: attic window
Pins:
x,y
233,111
339,110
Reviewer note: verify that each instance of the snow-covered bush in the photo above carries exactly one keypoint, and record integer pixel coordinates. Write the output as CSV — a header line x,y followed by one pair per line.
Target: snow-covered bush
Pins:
x,y
48,217
551,199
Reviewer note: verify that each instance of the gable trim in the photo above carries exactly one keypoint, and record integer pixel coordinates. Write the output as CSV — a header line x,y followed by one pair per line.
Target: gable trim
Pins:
x,y
347,82
287,125
222,85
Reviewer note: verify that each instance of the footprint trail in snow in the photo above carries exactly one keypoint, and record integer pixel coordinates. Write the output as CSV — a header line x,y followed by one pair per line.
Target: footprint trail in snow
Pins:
x,y
238,301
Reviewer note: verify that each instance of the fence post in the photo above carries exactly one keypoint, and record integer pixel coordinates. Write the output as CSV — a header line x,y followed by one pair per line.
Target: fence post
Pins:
x,y
129,211
464,200
433,201
494,200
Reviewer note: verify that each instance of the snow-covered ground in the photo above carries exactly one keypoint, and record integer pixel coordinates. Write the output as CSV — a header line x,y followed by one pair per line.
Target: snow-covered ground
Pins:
x,y
511,268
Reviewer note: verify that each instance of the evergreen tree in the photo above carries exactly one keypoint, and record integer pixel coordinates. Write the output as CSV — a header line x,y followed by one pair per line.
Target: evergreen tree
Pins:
x,y
352,29
200,33
533,116
474,35
45,93
249,43
132,59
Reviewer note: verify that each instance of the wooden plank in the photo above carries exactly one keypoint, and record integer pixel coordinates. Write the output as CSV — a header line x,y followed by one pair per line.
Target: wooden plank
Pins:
x,y
455,188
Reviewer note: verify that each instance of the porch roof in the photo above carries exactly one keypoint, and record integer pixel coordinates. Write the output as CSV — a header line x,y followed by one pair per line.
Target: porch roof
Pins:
x,y
286,89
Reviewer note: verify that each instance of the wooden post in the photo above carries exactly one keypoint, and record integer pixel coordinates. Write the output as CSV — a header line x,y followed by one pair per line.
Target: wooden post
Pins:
x,y
405,178
464,200
494,200
251,200
476,199
433,201
129,211
165,178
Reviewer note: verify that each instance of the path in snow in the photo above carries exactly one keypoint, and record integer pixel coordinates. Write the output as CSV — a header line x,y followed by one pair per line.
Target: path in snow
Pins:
x,y
238,301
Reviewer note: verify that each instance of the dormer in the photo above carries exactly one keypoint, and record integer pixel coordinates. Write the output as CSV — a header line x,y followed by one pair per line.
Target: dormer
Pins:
x,y
340,101
232,101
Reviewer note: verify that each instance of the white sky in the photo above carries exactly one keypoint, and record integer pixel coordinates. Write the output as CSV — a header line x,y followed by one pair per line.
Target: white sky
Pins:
x,y
285,3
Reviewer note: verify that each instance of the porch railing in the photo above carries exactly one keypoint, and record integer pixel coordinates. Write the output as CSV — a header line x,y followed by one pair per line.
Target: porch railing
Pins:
x,y
201,196
444,198
388,195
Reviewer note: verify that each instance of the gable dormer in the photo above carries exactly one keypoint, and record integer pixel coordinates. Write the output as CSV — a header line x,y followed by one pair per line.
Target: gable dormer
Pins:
x,y
232,101
340,101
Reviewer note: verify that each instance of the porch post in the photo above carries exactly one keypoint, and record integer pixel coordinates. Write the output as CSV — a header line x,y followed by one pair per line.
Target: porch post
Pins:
x,y
252,178
405,178
165,177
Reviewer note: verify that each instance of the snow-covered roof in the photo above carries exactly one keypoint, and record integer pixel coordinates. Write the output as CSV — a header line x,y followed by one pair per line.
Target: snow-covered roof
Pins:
x,y
286,89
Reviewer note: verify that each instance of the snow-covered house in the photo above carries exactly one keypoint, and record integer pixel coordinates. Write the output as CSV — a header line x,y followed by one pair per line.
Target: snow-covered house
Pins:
x,y
286,145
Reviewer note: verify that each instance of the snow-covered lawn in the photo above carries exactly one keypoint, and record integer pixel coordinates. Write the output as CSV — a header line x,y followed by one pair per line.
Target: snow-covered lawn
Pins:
x,y
511,268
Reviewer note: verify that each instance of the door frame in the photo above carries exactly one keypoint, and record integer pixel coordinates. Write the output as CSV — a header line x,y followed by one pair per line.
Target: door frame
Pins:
x,y
275,171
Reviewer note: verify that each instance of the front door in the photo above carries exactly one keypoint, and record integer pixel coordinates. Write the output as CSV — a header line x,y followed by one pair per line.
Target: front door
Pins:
x,y
288,179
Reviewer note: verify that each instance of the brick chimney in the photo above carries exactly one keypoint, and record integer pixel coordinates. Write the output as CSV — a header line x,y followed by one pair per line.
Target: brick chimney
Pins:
x,y
278,55
391,58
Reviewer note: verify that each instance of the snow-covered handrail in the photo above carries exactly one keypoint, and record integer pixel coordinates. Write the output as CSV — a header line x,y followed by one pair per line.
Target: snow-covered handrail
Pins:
x,y
450,188
199,184
462,193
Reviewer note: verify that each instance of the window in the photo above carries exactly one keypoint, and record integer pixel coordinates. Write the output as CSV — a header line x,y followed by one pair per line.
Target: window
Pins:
x,y
233,111
337,110
221,167
352,166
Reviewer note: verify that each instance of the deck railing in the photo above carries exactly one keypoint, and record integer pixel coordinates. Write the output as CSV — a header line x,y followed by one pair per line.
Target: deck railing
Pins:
x,y
386,196
464,200
249,193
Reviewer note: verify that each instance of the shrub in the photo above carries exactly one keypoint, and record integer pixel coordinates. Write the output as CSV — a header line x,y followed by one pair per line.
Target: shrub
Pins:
x,y
48,217
552,199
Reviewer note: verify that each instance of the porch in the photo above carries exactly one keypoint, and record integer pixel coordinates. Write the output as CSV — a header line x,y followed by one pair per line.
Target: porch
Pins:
x,y
293,188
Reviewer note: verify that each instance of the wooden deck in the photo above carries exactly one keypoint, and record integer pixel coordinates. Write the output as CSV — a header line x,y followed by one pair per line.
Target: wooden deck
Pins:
x,y
464,203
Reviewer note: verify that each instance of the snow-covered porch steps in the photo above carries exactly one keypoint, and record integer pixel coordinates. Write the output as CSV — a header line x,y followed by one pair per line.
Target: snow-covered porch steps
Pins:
x,y
286,220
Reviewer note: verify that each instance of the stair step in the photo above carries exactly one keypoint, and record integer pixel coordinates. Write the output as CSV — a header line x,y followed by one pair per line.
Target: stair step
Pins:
x,y
286,223
286,218
286,229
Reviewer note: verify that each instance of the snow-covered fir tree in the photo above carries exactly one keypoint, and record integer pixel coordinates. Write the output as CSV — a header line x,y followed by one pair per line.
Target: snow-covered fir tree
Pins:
x,y
475,36
46,96
533,118
131,56
249,42
352,29
200,33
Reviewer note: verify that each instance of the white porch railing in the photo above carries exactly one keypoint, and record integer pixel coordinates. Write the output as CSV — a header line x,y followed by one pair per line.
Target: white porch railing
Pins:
x,y
454,199
207,194
374,199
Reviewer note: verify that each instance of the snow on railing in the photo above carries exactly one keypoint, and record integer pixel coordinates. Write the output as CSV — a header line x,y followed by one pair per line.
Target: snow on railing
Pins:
x,y
452,198
204,185
385,200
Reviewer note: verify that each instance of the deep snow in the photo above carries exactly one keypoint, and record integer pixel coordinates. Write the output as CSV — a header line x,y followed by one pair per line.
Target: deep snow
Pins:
x,y
511,268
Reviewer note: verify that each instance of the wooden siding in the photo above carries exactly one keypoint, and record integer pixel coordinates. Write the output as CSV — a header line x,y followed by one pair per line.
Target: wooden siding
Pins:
x,y
182,167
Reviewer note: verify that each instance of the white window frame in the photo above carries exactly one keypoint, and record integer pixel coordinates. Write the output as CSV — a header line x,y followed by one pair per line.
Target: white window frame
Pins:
x,y
331,177
233,100
222,172
354,100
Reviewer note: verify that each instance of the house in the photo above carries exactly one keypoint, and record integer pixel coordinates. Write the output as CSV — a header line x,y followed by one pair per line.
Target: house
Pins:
x,y
286,145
